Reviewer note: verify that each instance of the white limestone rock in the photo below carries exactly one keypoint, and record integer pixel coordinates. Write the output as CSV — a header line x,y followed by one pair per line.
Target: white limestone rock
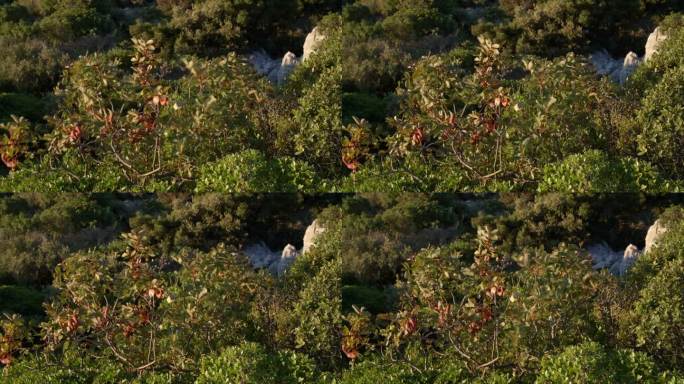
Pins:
x,y
313,41
262,62
630,255
278,70
620,70
287,65
260,256
603,256
629,65
312,233
604,63
287,258
655,232
655,40
618,263
617,70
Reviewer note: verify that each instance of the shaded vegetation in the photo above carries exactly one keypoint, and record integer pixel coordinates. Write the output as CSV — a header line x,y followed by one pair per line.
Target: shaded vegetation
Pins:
x,y
406,288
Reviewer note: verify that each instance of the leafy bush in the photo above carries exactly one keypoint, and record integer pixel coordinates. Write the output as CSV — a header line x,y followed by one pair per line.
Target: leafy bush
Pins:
x,y
658,286
37,232
591,363
370,372
661,122
67,21
251,171
75,369
552,304
379,235
160,318
29,65
553,27
250,363
210,26
315,315
410,174
540,220
314,130
594,171
560,112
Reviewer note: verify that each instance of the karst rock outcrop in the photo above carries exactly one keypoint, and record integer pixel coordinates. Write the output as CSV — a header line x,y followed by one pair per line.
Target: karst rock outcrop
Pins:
x,y
655,232
312,233
618,263
277,70
655,40
260,256
619,70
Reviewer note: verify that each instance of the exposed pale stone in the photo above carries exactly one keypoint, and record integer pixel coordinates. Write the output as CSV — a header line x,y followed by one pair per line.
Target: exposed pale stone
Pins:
x,y
262,62
629,65
604,63
312,233
620,70
260,256
278,70
655,40
288,257
655,232
287,65
630,255
616,262
313,41
602,255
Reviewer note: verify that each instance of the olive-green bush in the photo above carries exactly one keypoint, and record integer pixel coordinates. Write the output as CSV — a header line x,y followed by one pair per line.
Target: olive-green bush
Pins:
x,y
595,172
251,171
592,363
251,364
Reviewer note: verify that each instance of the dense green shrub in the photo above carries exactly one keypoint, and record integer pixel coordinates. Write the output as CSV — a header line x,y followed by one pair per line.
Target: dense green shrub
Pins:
x,y
210,26
552,304
655,129
381,234
199,221
30,370
38,231
591,363
68,20
75,369
540,220
160,318
410,174
661,122
314,130
250,363
594,171
251,171
552,27
29,65
370,372
315,315
658,285
399,32
559,112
